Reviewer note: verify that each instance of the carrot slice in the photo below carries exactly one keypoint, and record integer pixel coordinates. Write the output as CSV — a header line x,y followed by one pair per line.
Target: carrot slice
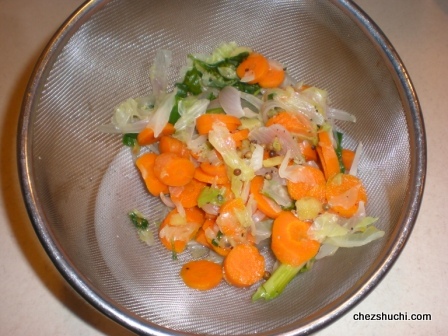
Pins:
x,y
227,220
168,144
255,66
344,192
201,238
308,151
214,170
200,175
204,123
347,158
175,236
145,164
240,135
244,266
263,203
293,122
327,155
201,274
188,194
273,78
173,170
290,242
315,187
146,136
215,246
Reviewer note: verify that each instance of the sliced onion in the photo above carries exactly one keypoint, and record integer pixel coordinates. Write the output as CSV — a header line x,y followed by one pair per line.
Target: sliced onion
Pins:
x,y
267,135
355,163
161,116
325,251
211,209
248,76
251,99
167,201
345,200
134,127
340,115
230,100
269,106
295,173
258,216
214,104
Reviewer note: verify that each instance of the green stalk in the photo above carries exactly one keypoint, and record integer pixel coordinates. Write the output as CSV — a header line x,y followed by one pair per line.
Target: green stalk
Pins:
x,y
275,285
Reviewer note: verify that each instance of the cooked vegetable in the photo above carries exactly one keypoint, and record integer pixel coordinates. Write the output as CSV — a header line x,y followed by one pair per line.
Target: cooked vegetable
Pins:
x,y
201,274
239,155
173,170
244,266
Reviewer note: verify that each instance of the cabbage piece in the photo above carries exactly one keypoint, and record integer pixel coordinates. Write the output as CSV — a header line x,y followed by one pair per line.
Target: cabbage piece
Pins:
x,y
131,115
370,234
311,102
330,229
162,113
189,109
222,141
158,73
326,225
277,191
211,195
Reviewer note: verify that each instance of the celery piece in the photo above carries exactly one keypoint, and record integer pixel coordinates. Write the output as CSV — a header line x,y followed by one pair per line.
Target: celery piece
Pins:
x,y
278,281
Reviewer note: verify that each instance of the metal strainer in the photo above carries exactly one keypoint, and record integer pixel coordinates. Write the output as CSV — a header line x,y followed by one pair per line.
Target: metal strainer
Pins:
x,y
79,184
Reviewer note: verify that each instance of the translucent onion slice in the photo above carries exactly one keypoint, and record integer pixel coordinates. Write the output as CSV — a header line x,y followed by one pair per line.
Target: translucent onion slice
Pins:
x,y
230,100
267,135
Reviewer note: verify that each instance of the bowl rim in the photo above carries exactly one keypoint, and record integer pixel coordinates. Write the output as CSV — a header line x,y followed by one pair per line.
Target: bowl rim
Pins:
x,y
340,306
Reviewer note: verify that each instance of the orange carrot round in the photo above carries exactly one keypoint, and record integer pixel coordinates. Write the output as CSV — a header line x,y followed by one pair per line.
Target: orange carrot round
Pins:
x,y
175,236
204,123
228,222
293,122
347,158
173,170
200,175
343,193
188,194
315,187
263,204
327,155
168,144
214,170
240,135
290,242
273,78
221,250
244,266
145,164
146,136
201,274
308,151
254,66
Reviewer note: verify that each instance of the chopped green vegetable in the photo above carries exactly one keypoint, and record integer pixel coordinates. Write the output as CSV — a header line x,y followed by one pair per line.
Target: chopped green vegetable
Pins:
x,y
275,285
130,139
211,195
138,220
338,137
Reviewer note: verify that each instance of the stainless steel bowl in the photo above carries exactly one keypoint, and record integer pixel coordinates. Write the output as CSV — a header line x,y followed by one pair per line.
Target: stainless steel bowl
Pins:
x,y
78,184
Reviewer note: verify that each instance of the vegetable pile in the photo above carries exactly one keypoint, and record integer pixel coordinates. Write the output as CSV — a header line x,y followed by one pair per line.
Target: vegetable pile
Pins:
x,y
246,159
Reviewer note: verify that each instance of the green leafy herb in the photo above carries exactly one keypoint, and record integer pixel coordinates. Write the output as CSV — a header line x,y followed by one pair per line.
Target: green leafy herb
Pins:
x,y
338,137
130,139
138,220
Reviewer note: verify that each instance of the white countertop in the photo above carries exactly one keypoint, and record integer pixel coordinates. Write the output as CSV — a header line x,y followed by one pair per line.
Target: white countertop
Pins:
x,y
35,300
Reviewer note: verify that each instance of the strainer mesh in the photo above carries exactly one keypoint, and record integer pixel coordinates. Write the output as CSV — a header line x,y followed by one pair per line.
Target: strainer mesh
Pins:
x,y
87,183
